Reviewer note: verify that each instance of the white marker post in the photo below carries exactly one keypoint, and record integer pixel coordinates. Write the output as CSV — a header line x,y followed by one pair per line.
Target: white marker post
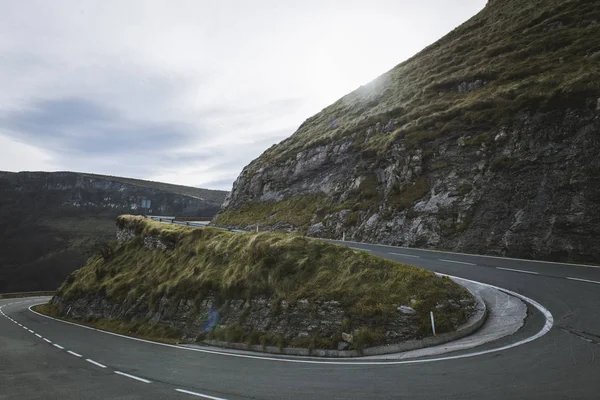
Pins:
x,y
256,228
432,322
343,236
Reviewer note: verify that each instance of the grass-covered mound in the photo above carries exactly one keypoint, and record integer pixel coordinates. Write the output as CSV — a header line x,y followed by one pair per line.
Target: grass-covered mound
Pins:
x,y
207,262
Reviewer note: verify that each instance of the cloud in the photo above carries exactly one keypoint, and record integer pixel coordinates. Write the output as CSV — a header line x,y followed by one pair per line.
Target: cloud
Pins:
x,y
189,92
81,127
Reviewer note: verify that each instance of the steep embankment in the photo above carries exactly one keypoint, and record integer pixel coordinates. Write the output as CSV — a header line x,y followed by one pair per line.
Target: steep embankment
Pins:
x,y
50,223
267,288
484,142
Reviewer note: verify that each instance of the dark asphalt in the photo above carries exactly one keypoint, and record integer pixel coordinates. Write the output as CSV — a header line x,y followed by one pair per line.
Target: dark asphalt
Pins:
x,y
563,364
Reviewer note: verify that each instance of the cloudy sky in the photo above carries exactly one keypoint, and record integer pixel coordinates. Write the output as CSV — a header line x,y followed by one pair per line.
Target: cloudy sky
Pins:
x,y
189,92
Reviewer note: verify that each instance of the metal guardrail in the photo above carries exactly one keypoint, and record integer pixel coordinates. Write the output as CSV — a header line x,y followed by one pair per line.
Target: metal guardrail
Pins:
x,y
171,220
26,294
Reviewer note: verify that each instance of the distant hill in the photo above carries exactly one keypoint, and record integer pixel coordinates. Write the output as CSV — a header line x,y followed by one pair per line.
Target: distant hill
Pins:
x,y
50,222
206,194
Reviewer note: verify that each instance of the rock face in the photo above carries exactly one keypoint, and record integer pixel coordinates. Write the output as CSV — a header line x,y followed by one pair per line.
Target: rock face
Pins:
x,y
50,223
292,322
445,153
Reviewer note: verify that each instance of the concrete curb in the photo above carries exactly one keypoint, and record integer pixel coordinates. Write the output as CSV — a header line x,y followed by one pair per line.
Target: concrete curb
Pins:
x,y
474,323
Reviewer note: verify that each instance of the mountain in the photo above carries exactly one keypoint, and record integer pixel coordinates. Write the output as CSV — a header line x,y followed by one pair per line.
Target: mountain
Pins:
x,y
51,222
484,142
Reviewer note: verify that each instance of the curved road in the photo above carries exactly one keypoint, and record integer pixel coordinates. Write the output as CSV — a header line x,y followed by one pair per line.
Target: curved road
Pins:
x,y
47,359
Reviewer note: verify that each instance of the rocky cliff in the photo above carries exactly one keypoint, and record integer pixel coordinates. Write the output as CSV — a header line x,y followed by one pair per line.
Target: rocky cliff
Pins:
x,y
484,142
51,222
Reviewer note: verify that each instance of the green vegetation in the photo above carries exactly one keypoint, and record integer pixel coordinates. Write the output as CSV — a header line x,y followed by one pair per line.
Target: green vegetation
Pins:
x,y
464,189
297,211
211,262
404,198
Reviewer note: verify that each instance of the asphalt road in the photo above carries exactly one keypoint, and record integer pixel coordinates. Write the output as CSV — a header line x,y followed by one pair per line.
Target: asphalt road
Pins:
x,y
562,364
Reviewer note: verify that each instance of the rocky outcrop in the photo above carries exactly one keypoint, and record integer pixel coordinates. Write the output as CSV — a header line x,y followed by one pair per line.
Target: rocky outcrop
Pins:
x,y
451,160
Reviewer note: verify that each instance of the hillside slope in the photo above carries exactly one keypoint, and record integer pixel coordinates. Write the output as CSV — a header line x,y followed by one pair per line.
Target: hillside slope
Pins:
x,y
50,223
485,142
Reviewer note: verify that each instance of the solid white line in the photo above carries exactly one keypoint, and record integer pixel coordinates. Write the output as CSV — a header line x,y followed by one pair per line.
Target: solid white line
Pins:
x,y
545,329
465,254
95,363
46,340
405,255
205,396
38,335
133,377
518,270
73,353
456,262
583,280
58,346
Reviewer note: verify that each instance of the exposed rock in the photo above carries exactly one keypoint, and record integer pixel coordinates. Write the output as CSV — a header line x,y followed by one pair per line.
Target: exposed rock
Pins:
x,y
347,337
470,86
407,310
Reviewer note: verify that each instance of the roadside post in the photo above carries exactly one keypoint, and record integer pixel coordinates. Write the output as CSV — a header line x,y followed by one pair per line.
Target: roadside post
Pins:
x,y
432,322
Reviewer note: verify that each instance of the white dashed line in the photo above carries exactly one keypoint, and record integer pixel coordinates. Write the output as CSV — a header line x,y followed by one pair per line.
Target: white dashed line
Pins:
x,y
58,346
30,331
137,378
456,262
518,270
405,255
583,280
205,396
95,363
73,353
38,335
47,341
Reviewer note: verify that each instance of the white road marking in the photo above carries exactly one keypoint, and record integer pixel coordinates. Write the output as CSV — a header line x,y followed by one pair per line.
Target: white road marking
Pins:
x,y
205,396
583,280
456,262
545,329
73,353
518,270
95,363
46,340
137,378
38,335
470,255
405,255
58,346
30,331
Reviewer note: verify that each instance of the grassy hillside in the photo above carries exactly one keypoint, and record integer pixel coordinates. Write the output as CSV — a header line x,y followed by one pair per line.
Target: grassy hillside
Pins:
x,y
513,57
211,262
